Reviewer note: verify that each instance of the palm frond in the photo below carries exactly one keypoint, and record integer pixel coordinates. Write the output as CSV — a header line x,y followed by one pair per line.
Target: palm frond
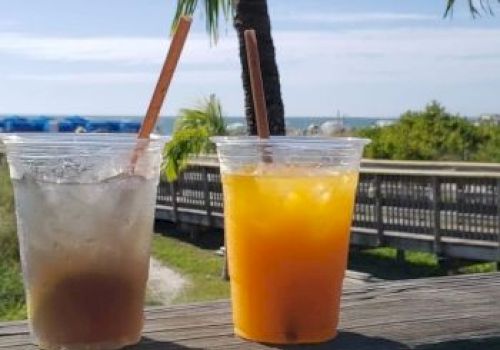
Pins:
x,y
475,7
190,119
472,8
449,8
208,114
184,144
213,110
184,8
192,133
213,9
485,6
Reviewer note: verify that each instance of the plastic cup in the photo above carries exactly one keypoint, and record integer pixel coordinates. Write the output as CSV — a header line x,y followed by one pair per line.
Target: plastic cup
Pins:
x,y
85,220
288,204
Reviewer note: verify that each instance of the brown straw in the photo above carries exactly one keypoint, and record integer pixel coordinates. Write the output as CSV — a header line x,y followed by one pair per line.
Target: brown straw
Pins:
x,y
165,78
259,100
166,75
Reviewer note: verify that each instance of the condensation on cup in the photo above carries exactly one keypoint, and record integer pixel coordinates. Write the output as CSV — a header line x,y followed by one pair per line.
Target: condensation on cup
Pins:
x,y
288,204
85,218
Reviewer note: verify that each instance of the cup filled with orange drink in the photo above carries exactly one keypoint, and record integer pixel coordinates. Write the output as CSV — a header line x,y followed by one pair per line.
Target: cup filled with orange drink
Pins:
x,y
288,204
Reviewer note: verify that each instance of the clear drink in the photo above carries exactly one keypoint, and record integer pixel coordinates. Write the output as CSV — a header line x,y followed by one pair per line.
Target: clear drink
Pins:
x,y
84,224
288,205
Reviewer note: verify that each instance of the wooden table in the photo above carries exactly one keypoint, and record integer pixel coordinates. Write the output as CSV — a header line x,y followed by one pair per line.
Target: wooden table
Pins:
x,y
461,312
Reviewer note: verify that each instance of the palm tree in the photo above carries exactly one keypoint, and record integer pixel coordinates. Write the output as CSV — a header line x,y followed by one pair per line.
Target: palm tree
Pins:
x,y
475,7
246,14
192,132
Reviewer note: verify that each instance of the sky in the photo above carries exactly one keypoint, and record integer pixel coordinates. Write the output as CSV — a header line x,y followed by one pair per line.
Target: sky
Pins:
x,y
361,57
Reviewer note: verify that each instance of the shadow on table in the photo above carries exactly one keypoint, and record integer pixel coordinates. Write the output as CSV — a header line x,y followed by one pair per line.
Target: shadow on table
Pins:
x,y
492,343
350,341
152,344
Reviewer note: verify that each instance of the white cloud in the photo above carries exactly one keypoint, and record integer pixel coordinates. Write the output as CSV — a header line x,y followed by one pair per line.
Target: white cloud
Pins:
x,y
124,50
87,78
380,68
187,77
7,23
451,43
403,54
368,17
139,50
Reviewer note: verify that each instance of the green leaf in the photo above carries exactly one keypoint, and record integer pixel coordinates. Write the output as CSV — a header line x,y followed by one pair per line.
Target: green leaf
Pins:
x,y
213,10
433,134
192,133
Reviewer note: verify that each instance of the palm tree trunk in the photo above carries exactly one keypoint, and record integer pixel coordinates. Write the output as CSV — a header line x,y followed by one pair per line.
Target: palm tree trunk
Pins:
x,y
253,14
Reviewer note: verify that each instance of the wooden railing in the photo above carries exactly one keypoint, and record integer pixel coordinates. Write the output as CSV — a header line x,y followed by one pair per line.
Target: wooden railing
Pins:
x,y
451,209
448,208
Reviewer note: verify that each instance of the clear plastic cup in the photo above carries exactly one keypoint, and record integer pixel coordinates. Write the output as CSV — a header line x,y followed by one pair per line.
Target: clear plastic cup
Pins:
x,y
85,219
288,204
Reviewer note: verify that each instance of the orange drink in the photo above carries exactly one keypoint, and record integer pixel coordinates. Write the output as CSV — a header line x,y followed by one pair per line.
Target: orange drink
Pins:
x,y
287,227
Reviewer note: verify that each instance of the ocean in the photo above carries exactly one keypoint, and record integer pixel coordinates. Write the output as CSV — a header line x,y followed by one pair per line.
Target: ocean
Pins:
x,y
166,124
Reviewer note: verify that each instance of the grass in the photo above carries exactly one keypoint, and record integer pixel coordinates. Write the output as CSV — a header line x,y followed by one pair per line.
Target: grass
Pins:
x,y
12,305
201,266
382,263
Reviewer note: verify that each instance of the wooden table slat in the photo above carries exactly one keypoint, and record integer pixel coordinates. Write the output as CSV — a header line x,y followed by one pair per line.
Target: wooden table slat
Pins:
x,y
458,312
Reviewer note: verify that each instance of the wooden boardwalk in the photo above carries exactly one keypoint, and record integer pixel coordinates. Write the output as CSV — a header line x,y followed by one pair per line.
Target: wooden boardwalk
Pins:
x,y
460,312
449,209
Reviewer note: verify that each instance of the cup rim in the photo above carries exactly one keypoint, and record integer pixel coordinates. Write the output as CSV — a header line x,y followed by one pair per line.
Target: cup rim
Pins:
x,y
57,138
284,140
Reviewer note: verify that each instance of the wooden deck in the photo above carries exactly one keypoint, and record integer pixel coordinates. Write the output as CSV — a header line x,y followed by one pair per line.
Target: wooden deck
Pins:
x,y
460,312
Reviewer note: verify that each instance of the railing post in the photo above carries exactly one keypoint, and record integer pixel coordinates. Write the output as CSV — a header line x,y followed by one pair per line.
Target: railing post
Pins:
x,y
206,194
173,193
498,223
379,215
400,256
436,214
225,267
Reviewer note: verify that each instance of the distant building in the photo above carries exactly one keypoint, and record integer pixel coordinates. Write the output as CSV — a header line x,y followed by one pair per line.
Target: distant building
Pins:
x,y
290,131
313,129
490,118
236,129
384,122
331,127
